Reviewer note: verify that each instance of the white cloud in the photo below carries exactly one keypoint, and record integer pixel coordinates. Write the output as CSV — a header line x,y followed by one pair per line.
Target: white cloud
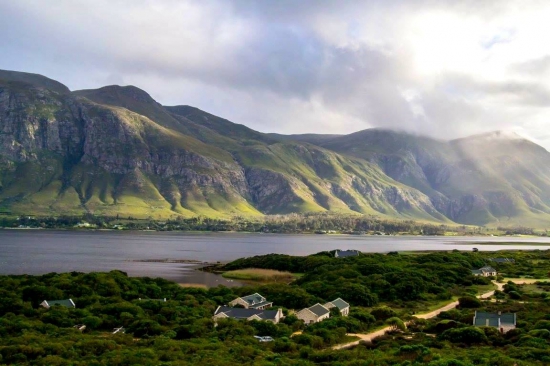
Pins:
x,y
447,69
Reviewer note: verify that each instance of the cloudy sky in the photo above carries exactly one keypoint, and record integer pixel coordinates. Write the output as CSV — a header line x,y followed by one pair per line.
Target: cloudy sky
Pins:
x,y
442,68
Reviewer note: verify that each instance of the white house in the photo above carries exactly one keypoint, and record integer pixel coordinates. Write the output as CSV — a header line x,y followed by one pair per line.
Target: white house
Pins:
x,y
340,304
313,314
254,301
486,271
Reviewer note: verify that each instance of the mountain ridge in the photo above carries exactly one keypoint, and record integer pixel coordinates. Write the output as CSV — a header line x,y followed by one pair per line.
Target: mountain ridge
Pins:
x,y
116,151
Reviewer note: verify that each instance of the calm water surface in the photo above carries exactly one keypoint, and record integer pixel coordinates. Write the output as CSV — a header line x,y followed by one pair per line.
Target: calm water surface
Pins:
x,y
44,251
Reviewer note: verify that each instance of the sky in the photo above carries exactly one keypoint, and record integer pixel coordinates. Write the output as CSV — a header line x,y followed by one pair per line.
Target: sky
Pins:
x,y
441,68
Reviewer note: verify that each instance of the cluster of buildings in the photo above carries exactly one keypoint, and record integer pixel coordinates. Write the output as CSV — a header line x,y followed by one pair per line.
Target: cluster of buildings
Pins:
x,y
257,307
318,312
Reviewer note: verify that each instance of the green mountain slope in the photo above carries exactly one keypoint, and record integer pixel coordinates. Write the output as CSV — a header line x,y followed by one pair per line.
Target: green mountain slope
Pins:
x,y
494,178
116,151
280,181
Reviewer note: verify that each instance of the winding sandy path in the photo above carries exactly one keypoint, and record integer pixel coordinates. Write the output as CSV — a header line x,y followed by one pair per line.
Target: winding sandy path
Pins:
x,y
431,314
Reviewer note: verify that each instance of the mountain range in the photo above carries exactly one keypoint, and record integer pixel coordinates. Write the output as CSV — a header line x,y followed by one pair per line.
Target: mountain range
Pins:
x,y
116,151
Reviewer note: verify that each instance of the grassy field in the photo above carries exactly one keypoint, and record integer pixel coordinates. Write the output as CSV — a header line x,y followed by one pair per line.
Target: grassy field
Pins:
x,y
261,275
481,289
193,285
525,280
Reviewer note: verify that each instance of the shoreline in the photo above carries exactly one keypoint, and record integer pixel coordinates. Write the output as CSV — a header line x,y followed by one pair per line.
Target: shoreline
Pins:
x,y
308,233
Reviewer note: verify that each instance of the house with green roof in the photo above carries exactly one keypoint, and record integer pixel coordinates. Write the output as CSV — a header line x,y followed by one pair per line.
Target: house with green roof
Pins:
x,y
254,301
313,314
340,304
504,322
68,303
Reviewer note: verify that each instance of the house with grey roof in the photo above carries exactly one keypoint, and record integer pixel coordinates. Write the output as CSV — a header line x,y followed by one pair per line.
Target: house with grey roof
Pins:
x,y
504,322
486,271
273,316
340,304
68,303
158,300
313,314
254,301
346,253
503,260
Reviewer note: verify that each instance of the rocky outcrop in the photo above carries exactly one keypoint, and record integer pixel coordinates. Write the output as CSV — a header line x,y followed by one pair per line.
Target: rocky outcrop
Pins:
x,y
116,150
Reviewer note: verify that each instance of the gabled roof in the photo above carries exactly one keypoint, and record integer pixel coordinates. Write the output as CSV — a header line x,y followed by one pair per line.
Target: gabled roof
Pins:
x,y
254,299
503,260
319,309
492,319
260,304
487,269
340,304
239,313
67,303
346,253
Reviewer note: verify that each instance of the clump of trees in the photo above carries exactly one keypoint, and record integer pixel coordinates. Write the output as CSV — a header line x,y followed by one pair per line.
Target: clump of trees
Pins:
x,y
370,279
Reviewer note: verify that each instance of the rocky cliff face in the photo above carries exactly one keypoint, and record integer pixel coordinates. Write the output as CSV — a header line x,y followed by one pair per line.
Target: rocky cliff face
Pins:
x,y
494,178
117,151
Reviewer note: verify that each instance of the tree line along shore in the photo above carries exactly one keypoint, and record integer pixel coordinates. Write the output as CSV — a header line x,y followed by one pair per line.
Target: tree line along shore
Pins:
x,y
288,224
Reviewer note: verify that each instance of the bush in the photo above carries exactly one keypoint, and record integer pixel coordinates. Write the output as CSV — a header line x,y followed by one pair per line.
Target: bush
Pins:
x,y
469,302
383,313
467,335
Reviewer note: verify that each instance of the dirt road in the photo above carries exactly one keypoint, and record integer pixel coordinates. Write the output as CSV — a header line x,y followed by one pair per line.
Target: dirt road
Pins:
x,y
431,314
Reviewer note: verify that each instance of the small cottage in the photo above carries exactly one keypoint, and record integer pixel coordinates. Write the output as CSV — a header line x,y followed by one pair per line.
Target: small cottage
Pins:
x,y
313,314
68,303
254,301
273,316
346,253
503,322
340,304
503,260
486,271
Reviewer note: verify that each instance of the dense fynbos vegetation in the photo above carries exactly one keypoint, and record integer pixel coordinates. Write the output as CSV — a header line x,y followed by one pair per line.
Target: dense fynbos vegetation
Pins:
x,y
384,290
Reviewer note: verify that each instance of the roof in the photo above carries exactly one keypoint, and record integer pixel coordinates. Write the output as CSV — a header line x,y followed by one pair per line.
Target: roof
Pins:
x,y
319,309
67,303
487,269
477,271
346,253
492,319
254,299
503,260
340,304
260,304
240,313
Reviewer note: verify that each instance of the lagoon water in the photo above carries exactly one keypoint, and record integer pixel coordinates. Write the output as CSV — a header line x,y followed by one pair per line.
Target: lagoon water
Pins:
x,y
44,251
